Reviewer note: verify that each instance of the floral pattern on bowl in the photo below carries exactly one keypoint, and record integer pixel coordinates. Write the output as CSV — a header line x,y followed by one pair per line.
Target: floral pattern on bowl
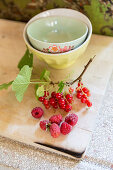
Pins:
x,y
57,49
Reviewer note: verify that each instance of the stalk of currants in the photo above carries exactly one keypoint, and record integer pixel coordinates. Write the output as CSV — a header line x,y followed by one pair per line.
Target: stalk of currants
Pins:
x,y
56,99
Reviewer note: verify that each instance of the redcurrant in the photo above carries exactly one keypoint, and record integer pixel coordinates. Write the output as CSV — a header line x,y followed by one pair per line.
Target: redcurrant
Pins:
x,y
69,98
52,101
83,100
68,108
41,99
85,90
53,94
58,95
79,95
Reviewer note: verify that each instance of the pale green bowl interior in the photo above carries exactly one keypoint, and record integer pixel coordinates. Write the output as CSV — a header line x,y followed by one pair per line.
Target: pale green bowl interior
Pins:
x,y
56,29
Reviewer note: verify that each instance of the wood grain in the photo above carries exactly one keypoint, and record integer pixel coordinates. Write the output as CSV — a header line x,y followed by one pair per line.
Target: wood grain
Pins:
x,y
16,121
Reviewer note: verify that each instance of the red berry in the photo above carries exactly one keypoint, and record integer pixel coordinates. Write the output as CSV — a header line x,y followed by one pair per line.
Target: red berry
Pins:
x,y
84,96
55,105
41,99
58,95
37,112
45,102
54,130
69,98
78,90
46,93
65,128
71,119
61,101
52,101
83,100
79,95
62,106
80,83
88,93
53,94
56,119
71,90
43,124
89,104
47,106
68,108
85,90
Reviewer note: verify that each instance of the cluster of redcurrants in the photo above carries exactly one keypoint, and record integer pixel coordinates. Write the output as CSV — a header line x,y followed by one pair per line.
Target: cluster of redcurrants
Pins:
x,y
57,100
83,94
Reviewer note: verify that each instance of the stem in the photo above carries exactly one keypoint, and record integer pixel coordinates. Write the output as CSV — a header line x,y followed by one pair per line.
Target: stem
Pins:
x,y
66,83
79,77
39,82
35,79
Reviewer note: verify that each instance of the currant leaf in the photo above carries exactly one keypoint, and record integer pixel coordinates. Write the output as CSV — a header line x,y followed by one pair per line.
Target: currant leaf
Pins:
x,y
40,91
45,75
61,86
22,81
5,85
27,59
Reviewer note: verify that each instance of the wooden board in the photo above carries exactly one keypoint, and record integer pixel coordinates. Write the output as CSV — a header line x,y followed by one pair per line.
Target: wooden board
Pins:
x,y
16,121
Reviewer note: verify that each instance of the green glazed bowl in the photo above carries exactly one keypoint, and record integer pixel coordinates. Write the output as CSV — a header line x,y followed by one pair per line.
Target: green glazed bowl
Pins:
x,y
60,60
57,34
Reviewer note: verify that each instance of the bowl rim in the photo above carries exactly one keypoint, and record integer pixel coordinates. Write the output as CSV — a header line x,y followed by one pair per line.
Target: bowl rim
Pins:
x,y
45,13
63,43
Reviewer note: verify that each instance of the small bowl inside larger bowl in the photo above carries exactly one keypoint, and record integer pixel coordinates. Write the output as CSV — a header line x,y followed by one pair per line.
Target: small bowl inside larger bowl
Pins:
x,y
56,34
60,60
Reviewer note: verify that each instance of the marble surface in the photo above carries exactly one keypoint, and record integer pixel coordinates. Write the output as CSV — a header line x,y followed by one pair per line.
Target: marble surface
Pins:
x,y
99,154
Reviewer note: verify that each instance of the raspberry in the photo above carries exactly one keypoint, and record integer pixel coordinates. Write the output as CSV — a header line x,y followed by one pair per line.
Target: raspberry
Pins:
x,y
65,128
71,119
43,124
37,112
68,108
56,119
54,130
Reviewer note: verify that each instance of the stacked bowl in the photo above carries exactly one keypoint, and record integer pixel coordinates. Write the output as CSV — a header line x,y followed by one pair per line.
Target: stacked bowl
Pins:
x,y
58,36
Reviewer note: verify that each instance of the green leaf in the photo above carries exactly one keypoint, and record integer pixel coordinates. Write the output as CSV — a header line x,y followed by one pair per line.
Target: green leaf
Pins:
x,y
5,85
40,91
61,86
45,75
27,59
36,87
22,81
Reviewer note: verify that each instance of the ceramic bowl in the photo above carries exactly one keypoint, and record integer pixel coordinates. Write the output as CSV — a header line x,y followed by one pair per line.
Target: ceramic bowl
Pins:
x,y
57,34
66,59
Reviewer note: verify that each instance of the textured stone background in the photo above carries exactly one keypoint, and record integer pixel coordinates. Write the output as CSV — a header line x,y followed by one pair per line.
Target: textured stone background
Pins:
x,y
100,12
